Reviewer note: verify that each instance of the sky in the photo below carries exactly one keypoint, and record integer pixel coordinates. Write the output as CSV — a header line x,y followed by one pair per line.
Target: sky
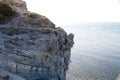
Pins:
x,y
77,11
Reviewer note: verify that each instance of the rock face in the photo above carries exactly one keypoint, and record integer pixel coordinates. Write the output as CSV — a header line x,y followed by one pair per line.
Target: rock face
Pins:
x,y
31,47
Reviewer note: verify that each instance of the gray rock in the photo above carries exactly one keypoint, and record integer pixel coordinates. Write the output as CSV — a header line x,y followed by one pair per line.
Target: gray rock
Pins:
x,y
32,48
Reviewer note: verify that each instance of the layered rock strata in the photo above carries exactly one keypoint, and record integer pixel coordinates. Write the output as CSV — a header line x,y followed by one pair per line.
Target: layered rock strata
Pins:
x,y
31,47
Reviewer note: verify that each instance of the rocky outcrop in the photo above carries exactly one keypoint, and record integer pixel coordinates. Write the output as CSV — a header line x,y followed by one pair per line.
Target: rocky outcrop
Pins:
x,y
31,47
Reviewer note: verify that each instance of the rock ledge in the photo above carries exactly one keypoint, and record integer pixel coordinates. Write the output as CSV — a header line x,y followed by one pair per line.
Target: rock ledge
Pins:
x,y
31,47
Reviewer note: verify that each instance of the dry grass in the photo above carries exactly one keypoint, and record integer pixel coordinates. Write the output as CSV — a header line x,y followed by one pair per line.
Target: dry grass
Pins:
x,y
35,19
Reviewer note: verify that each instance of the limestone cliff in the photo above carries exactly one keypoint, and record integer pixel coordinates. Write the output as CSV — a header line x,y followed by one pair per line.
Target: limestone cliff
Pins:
x,y
31,47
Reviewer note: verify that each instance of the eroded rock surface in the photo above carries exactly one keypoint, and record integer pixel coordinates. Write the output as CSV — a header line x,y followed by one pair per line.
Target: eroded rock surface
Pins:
x,y
32,48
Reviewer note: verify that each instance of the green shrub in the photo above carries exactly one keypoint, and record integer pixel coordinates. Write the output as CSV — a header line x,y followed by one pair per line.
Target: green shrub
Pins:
x,y
6,11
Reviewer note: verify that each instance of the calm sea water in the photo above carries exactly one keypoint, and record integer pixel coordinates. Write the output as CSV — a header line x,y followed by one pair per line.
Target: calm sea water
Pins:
x,y
96,53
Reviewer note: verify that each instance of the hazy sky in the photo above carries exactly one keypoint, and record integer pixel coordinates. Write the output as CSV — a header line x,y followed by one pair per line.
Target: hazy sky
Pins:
x,y
77,11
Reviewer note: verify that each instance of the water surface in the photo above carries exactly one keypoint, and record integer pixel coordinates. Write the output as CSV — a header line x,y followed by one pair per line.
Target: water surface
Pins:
x,y
96,53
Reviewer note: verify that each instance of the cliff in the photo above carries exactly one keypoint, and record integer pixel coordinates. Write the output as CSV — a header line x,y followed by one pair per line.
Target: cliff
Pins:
x,y
31,47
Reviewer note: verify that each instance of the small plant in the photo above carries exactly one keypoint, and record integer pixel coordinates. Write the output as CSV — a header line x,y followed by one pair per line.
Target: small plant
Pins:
x,y
6,11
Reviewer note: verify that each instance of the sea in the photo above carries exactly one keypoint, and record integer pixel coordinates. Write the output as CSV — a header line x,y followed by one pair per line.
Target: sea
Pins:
x,y
96,52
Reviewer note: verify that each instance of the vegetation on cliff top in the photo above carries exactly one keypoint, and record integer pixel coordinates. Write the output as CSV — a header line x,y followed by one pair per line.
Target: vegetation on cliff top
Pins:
x,y
6,11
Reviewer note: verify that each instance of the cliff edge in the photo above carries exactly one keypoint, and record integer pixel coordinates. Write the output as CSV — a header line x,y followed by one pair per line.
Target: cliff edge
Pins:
x,y
31,47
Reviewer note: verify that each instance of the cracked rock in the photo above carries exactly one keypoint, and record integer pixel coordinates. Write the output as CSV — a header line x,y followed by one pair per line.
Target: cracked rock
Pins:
x,y
32,48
